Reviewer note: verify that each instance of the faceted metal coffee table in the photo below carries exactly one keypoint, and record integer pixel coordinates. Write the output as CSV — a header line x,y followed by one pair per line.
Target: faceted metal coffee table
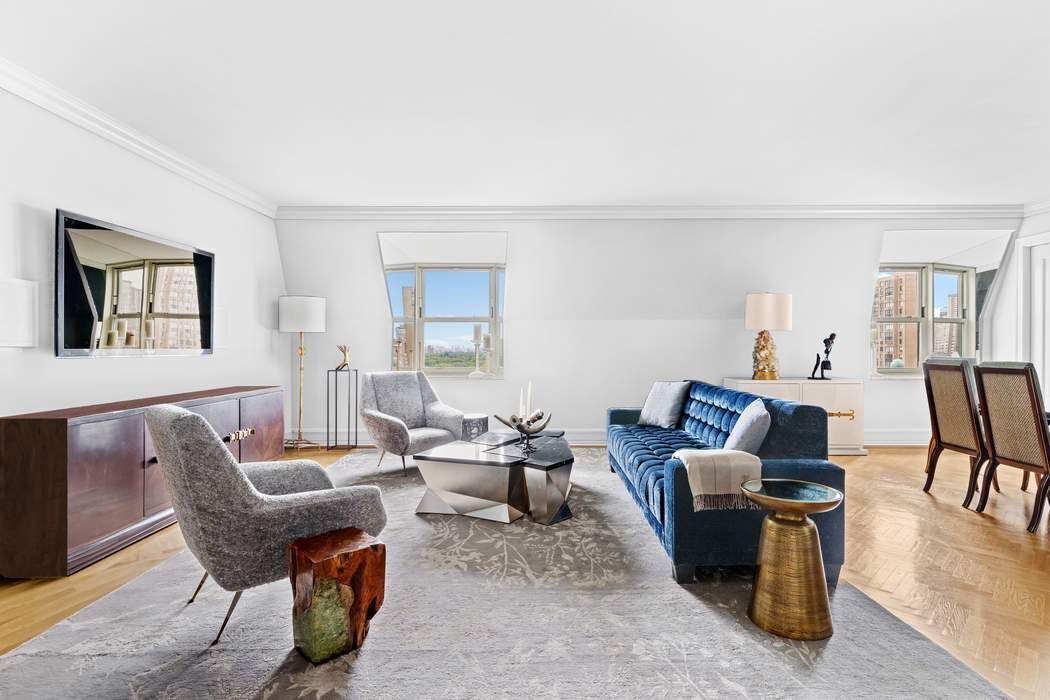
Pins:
x,y
499,483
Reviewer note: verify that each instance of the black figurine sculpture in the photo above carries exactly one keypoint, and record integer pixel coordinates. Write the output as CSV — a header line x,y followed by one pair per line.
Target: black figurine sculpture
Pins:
x,y
826,364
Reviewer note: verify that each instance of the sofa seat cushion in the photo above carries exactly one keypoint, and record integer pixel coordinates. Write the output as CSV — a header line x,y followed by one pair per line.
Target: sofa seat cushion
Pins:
x,y
641,451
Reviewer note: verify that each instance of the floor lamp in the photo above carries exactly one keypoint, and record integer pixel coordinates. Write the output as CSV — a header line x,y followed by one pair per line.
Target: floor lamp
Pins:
x,y
301,314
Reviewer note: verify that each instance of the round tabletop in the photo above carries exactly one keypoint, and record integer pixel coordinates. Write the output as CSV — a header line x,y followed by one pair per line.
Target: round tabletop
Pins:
x,y
792,495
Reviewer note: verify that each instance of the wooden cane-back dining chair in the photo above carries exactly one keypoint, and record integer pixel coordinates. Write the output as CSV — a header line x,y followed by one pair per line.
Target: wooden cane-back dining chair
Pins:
x,y
1014,426
953,417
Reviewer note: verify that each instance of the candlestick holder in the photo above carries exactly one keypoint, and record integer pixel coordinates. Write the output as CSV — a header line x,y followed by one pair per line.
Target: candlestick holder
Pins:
x,y
477,373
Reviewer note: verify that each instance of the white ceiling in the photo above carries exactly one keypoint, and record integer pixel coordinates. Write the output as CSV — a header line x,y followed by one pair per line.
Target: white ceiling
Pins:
x,y
557,102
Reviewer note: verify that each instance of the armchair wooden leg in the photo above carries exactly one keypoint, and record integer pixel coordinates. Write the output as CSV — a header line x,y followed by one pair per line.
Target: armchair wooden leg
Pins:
x,y
931,463
971,486
199,587
1024,481
404,469
986,487
382,453
1041,495
233,604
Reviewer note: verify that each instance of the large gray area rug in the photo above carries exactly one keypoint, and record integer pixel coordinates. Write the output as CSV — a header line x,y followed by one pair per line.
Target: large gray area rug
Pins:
x,y
584,608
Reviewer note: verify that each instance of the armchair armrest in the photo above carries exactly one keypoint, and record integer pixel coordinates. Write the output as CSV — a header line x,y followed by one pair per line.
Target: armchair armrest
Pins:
x,y
624,416
293,476
389,432
313,512
441,415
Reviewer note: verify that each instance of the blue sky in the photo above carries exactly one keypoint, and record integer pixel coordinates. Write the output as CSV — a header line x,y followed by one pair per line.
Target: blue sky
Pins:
x,y
944,283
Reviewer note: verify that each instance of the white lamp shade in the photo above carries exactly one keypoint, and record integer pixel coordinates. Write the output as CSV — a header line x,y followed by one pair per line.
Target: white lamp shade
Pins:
x,y
297,314
768,311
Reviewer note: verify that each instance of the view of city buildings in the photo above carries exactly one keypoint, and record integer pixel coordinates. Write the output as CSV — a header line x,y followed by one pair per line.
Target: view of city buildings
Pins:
x,y
898,299
896,296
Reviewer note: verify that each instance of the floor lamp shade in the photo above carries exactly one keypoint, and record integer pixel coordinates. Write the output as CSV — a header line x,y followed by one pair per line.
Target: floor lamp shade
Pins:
x,y
768,311
300,314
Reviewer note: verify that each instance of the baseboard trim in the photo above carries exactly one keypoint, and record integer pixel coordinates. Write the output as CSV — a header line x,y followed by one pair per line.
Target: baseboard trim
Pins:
x,y
899,438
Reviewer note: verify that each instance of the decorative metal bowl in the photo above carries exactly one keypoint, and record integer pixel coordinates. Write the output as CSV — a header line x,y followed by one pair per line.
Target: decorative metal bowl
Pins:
x,y
535,423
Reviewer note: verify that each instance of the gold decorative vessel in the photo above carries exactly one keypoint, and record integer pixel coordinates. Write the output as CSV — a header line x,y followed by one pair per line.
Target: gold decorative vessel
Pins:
x,y
790,594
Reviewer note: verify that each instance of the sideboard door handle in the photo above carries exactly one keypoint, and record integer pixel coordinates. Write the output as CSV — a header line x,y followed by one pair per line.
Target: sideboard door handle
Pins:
x,y
851,414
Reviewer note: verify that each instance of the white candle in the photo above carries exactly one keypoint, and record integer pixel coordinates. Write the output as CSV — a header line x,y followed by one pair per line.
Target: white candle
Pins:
x,y
528,406
477,333
521,402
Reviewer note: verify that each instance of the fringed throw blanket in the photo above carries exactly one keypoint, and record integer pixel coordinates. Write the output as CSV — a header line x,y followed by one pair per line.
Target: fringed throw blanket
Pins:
x,y
715,477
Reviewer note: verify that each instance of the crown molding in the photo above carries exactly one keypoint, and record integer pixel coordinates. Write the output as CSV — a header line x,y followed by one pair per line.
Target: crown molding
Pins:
x,y
308,212
1035,208
32,88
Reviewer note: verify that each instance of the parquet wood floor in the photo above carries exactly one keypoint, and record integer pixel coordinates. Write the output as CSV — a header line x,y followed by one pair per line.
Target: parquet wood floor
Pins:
x,y
978,585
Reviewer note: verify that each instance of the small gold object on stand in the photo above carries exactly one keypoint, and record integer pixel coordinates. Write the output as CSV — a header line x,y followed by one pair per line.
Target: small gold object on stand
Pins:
x,y
790,594
345,349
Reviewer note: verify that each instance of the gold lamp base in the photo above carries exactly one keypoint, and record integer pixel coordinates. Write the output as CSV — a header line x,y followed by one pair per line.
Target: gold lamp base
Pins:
x,y
766,374
790,596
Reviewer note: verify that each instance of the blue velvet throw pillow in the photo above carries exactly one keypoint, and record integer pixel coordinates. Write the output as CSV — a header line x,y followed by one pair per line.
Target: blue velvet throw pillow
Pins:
x,y
750,429
663,406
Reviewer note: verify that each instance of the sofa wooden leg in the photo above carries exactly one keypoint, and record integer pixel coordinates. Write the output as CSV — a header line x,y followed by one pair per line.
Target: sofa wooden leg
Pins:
x,y
683,573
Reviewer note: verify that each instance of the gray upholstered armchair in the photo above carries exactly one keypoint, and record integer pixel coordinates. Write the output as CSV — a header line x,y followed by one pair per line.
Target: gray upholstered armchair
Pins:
x,y
404,414
238,520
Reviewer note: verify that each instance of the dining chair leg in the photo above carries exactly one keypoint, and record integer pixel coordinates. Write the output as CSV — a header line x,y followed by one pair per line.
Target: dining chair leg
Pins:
x,y
1024,481
233,604
932,456
986,486
404,469
971,486
1041,495
199,587
995,483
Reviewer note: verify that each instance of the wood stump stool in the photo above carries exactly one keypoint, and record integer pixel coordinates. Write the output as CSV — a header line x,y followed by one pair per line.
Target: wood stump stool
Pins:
x,y
337,583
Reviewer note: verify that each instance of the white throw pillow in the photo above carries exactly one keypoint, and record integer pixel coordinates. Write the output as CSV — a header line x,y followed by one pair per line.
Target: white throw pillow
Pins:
x,y
663,406
750,429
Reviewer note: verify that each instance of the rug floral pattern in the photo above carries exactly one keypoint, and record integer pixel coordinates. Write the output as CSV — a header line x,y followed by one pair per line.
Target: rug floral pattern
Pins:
x,y
584,608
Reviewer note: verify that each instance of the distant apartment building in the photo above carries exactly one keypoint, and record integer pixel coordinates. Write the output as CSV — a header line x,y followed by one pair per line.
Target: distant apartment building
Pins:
x,y
897,344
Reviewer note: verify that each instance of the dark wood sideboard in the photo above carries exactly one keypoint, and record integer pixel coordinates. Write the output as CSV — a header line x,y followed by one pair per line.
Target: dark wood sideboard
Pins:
x,y
78,484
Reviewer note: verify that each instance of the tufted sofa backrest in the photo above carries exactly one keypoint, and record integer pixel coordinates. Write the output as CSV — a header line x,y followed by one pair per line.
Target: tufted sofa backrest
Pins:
x,y
795,431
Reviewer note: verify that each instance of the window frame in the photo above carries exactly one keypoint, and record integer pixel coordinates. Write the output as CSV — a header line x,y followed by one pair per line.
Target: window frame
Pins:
x,y
927,321
418,319
149,282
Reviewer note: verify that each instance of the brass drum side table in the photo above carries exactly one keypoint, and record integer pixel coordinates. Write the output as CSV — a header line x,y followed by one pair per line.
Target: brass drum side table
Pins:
x,y
790,595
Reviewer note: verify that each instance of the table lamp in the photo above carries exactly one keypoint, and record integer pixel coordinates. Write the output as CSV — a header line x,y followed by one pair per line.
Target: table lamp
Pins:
x,y
300,314
767,311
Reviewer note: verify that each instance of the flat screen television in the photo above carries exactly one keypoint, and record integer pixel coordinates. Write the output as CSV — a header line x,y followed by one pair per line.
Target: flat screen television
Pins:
x,y
119,292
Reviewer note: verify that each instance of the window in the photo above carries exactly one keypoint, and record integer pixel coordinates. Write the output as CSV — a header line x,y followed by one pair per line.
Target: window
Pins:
x,y
174,306
919,311
158,304
447,319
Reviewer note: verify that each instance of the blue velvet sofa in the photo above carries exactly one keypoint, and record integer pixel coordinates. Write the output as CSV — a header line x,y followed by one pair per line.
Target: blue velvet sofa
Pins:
x,y
796,447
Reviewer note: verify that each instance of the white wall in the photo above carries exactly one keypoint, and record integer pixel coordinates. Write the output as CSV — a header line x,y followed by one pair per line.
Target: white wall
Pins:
x,y
596,310
49,163
1006,309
